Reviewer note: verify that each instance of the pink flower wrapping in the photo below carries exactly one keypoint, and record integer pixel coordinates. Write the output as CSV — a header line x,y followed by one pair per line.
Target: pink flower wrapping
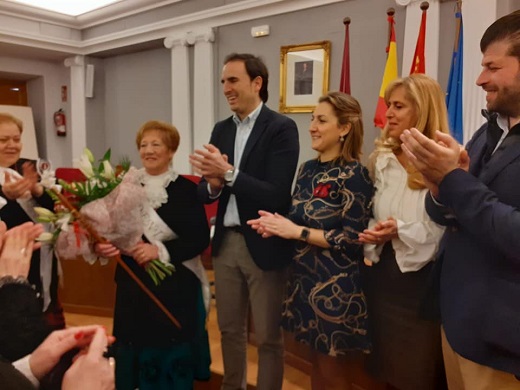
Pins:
x,y
116,217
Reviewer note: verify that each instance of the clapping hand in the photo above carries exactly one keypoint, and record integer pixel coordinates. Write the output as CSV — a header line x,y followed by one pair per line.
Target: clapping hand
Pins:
x,y
212,164
22,187
49,352
91,370
17,245
382,232
270,224
30,174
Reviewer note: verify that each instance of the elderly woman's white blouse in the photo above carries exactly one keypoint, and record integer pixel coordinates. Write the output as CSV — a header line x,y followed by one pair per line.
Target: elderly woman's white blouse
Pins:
x,y
418,236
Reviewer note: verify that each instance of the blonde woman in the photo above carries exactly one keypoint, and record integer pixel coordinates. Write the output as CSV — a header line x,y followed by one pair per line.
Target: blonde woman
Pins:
x,y
401,242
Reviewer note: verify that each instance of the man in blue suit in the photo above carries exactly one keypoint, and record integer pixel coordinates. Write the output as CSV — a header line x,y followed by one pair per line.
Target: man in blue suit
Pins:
x,y
248,166
476,193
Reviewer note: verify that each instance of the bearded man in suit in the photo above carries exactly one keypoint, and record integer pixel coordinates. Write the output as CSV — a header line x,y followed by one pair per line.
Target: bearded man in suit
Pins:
x,y
475,192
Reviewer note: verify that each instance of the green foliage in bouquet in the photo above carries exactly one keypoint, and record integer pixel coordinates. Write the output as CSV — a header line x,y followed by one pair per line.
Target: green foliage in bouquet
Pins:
x,y
100,180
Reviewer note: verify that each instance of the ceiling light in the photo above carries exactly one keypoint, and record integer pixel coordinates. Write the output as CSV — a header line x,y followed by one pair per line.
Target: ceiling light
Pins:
x,y
67,7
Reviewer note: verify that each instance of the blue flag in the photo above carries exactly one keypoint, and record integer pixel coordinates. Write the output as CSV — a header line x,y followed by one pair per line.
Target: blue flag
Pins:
x,y
454,96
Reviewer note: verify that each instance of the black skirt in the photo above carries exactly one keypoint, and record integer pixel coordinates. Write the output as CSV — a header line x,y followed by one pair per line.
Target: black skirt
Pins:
x,y
407,351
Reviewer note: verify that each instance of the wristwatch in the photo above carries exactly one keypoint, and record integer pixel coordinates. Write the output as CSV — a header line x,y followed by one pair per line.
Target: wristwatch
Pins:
x,y
304,235
228,175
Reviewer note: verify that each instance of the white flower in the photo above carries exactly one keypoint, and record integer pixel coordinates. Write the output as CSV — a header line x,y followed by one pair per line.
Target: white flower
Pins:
x,y
89,155
48,179
45,237
63,222
44,215
84,165
108,171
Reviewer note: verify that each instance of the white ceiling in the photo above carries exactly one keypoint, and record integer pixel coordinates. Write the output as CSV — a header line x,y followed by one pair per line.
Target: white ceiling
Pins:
x,y
67,7
114,11
33,33
19,46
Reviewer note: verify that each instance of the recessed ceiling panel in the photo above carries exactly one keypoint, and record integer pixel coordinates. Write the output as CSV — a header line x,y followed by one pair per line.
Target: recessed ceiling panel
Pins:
x,y
67,7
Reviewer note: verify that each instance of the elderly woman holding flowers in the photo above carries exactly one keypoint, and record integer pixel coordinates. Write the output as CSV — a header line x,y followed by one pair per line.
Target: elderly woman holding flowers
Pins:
x,y
20,191
151,352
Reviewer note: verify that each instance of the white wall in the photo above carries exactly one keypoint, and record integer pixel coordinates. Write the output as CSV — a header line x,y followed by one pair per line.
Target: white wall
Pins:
x,y
137,89
368,40
95,110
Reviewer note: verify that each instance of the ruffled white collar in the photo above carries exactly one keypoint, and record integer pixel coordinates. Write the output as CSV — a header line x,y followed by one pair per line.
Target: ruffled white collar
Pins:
x,y
155,186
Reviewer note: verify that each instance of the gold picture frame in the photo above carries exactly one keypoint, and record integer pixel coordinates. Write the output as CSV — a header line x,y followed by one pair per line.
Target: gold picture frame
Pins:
x,y
304,75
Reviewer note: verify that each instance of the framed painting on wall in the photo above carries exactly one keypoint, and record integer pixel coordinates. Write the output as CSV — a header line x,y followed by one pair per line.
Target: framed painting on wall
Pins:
x,y
304,75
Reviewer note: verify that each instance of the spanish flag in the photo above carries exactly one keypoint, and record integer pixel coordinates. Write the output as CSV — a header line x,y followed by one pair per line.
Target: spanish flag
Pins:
x,y
389,75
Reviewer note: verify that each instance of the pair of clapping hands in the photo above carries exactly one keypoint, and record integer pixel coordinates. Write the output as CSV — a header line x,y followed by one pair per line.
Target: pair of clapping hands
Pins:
x,y
90,369
269,224
434,158
14,188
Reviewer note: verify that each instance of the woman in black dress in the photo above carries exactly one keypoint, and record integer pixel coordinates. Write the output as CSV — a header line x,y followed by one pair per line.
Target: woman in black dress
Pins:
x,y
151,352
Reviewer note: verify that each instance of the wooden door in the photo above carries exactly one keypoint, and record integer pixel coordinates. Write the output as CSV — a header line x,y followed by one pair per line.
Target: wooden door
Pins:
x,y
13,92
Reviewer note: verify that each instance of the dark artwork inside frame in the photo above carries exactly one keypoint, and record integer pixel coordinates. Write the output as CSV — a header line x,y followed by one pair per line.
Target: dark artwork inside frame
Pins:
x,y
303,77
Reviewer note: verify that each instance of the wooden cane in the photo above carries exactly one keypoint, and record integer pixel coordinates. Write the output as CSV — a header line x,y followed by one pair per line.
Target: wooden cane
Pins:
x,y
99,239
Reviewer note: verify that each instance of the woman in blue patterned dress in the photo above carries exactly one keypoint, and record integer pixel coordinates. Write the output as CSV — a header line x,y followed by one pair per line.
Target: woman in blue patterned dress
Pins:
x,y
325,307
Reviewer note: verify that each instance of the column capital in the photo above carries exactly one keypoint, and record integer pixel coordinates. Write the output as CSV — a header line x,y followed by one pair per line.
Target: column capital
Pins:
x,y
74,61
185,39
205,35
190,38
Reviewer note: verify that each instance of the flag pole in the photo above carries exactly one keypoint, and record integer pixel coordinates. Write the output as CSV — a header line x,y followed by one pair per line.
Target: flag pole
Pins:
x,y
454,89
390,12
418,61
345,68
457,28
390,73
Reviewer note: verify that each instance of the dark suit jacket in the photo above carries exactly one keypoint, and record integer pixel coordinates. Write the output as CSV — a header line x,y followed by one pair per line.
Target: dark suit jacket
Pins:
x,y
480,275
12,379
264,181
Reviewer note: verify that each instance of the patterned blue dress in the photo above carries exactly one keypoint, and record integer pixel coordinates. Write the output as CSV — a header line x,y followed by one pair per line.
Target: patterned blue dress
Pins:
x,y
325,305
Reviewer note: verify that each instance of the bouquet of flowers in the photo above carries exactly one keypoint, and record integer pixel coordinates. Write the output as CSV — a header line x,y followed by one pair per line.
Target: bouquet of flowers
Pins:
x,y
111,200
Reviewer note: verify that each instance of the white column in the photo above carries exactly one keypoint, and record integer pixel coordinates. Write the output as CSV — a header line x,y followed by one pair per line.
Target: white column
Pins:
x,y
477,16
76,121
203,87
411,32
181,98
